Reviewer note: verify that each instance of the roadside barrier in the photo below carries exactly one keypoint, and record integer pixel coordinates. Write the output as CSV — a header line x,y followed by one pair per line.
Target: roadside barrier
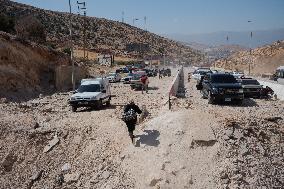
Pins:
x,y
176,85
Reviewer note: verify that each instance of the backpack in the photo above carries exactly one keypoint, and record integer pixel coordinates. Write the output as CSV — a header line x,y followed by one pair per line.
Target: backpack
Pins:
x,y
130,115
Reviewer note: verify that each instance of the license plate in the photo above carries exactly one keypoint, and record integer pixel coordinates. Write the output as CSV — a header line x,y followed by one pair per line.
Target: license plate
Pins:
x,y
83,103
228,99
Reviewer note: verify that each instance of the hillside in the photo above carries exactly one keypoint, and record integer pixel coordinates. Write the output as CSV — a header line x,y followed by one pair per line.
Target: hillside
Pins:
x,y
102,34
264,60
26,68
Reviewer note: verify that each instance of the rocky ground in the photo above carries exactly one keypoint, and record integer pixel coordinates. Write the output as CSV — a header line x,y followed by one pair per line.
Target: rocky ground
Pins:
x,y
84,147
250,139
195,145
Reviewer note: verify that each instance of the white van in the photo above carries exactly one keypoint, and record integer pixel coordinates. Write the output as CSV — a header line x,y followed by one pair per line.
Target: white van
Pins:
x,y
91,93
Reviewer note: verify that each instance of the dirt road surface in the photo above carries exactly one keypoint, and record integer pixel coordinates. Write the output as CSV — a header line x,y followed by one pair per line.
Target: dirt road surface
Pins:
x,y
194,145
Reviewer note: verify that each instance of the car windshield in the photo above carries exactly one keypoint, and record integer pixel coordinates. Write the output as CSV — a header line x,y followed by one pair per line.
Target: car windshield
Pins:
x,y
89,88
204,72
250,82
223,79
136,77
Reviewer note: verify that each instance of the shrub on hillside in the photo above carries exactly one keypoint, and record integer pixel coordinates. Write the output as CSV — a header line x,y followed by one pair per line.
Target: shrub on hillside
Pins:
x,y
31,28
7,23
67,51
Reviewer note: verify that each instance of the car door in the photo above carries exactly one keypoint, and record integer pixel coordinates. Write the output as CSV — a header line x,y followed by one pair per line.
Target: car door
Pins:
x,y
206,85
116,77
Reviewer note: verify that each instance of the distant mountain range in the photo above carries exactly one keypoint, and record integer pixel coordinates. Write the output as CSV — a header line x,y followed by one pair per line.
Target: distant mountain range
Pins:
x,y
259,38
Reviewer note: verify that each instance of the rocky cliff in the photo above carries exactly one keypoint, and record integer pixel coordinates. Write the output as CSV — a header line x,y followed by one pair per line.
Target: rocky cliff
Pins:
x,y
26,68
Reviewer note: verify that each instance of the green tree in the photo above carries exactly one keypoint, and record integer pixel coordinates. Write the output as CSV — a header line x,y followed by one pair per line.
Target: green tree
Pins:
x,y
67,51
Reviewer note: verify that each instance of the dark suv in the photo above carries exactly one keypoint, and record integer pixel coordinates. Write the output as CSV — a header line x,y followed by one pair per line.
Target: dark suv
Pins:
x,y
221,87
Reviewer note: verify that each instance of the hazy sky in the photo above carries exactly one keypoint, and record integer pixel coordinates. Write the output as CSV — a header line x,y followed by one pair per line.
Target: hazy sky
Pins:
x,y
182,16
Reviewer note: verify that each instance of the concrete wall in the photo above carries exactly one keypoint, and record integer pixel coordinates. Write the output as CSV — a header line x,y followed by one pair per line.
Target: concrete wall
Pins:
x,y
63,77
177,83
277,88
280,81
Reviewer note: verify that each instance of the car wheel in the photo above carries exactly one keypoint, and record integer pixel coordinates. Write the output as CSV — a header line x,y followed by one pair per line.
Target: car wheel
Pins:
x,y
108,102
239,102
74,108
210,98
100,104
202,94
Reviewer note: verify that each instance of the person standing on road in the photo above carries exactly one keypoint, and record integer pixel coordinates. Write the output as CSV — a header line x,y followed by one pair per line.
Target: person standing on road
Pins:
x,y
145,81
160,74
130,117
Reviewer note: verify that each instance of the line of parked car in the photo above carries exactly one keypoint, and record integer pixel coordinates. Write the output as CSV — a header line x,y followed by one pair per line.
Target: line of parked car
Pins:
x,y
95,92
228,87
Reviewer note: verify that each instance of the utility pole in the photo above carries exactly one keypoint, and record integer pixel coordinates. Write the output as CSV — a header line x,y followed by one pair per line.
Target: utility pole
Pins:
x,y
83,4
122,18
250,51
227,40
145,23
71,46
164,57
180,56
138,42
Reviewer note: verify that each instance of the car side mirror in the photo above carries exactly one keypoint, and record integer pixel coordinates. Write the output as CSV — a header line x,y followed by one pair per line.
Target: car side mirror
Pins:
x,y
104,91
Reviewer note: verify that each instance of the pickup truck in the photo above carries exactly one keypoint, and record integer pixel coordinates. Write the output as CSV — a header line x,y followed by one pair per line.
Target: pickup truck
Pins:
x,y
197,74
252,88
135,82
127,78
114,77
221,87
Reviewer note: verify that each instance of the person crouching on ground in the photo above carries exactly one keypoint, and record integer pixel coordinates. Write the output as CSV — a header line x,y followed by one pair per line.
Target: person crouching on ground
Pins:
x,y
130,117
145,81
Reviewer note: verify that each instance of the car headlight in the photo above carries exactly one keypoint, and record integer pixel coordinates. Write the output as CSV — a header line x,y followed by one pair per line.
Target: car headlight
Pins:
x,y
241,90
93,98
215,90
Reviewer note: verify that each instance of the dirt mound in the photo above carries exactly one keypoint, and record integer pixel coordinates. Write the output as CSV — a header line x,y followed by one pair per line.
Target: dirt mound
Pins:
x,y
25,67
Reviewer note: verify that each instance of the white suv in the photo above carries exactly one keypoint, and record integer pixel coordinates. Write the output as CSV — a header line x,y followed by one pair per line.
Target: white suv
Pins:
x,y
91,93
114,77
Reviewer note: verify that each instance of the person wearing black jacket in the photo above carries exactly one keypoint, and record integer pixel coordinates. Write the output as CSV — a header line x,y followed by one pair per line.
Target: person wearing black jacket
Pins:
x,y
131,123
